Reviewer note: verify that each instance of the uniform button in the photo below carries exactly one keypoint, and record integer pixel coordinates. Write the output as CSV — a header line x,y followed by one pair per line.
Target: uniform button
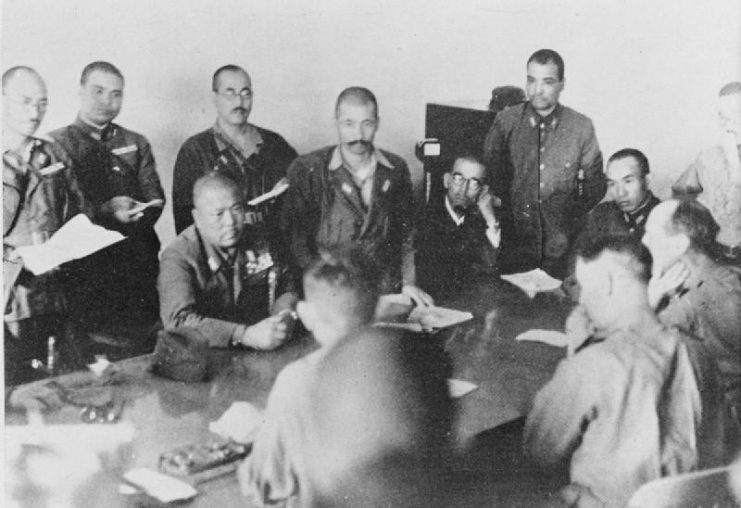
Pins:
x,y
542,149
542,167
542,185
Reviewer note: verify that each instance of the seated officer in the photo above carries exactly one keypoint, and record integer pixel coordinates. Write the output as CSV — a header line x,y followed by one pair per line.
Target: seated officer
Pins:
x,y
459,233
220,278
642,403
351,402
40,194
116,171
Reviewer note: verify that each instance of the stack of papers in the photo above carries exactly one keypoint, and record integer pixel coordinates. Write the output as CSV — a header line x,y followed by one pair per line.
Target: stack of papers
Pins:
x,y
533,282
239,423
76,239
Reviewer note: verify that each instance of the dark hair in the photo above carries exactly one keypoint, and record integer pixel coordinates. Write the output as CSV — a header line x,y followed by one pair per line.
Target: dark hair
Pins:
x,y
503,97
99,66
637,256
351,269
222,69
13,71
731,88
639,157
695,220
356,94
474,158
545,56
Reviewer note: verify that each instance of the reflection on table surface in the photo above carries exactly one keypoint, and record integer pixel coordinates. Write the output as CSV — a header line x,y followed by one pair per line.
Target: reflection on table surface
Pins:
x,y
167,414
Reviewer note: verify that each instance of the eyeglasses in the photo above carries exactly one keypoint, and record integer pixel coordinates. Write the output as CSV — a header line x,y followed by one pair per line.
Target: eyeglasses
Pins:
x,y
231,95
27,102
473,183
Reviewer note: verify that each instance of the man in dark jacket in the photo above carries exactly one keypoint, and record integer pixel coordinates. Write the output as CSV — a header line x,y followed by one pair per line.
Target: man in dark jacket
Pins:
x,y
459,234
546,167
354,193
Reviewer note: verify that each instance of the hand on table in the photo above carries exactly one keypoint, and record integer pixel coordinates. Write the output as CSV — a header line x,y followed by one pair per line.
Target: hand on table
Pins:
x,y
34,396
120,207
269,333
418,296
667,283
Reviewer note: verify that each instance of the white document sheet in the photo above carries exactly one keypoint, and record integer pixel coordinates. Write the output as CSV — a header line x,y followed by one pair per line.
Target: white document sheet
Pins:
x,y
458,388
76,239
276,191
431,318
533,282
550,337
160,486
239,423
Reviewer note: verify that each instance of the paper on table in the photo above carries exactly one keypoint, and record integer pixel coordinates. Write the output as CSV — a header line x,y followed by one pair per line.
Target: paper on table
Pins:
x,y
533,282
438,317
550,337
458,388
276,191
76,239
239,423
165,488
143,206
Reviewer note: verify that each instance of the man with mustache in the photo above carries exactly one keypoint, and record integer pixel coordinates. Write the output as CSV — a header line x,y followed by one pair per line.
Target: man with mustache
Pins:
x,y
254,157
546,167
458,237
220,277
117,173
354,193
40,194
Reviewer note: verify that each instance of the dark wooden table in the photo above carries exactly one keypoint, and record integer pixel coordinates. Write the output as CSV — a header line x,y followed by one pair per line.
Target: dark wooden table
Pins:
x,y
167,414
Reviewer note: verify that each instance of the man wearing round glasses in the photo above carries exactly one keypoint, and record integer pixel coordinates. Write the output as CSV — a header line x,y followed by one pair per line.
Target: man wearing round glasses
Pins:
x,y
459,235
255,158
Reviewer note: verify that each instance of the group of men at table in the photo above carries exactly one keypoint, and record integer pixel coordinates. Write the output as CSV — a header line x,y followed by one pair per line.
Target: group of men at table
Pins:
x,y
659,322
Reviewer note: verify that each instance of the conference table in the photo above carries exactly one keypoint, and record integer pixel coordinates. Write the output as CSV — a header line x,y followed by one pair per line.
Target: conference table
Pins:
x,y
167,414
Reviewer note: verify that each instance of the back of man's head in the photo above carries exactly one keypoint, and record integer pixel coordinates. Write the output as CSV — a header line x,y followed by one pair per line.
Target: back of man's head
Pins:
x,y
694,220
382,421
623,252
341,292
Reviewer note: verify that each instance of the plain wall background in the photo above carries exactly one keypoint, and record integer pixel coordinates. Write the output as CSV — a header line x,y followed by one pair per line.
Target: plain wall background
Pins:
x,y
647,72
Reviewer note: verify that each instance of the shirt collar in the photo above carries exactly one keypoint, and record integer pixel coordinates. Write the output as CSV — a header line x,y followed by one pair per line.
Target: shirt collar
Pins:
x,y
550,120
98,133
336,161
457,219
216,257
223,141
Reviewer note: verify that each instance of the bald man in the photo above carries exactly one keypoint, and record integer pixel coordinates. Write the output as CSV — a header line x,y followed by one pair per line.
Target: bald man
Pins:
x,y
354,193
640,404
715,176
693,288
40,194
220,275
254,157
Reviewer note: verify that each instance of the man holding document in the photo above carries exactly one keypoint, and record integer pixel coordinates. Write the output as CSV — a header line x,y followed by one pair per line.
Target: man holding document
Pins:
x,y
117,173
40,194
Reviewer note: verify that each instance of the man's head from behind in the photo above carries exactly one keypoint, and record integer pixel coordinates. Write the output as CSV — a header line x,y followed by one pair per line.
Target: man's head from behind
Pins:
x,y
356,118
613,273
465,182
676,228
545,80
232,88
24,101
218,210
341,292
627,183
101,93
729,109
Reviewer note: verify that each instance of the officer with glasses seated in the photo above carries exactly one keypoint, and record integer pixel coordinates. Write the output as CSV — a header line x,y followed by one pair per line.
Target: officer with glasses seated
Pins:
x,y
459,235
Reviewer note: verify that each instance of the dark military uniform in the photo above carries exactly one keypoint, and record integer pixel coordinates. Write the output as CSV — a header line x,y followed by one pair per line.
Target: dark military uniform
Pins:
x,y
548,173
40,194
255,174
324,209
120,281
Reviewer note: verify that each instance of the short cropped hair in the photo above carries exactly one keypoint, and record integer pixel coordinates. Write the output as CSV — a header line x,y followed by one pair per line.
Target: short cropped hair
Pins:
x,y
637,155
349,269
471,157
546,56
732,88
222,69
99,66
628,251
214,179
693,219
503,97
357,94
11,73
